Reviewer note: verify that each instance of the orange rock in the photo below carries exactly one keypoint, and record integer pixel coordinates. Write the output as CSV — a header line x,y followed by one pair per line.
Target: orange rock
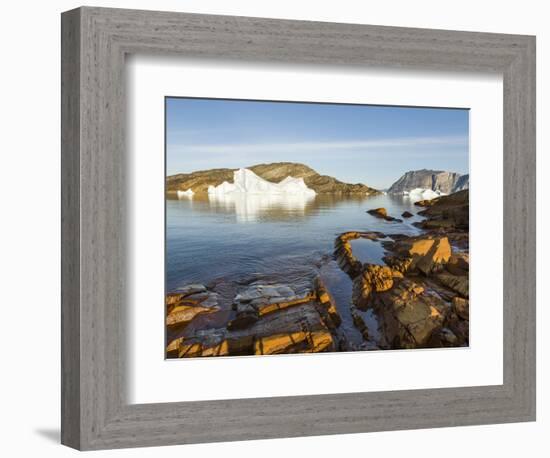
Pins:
x,y
374,278
380,212
218,350
457,283
181,314
264,309
428,254
461,307
190,350
304,342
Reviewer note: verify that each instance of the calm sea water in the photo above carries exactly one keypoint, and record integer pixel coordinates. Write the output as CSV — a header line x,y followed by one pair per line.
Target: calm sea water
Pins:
x,y
229,243
256,237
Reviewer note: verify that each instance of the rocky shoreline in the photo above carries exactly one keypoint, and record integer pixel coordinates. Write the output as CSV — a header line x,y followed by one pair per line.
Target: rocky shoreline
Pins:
x,y
418,298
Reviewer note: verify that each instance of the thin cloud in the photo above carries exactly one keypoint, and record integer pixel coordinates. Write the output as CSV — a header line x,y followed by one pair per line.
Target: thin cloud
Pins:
x,y
316,146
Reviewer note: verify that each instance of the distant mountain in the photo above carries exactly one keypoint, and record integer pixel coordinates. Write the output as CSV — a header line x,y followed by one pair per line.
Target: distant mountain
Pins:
x,y
462,183
436,180
276,172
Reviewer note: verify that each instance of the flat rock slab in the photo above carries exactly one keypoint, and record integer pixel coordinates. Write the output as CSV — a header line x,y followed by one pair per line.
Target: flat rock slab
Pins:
x,y
298,329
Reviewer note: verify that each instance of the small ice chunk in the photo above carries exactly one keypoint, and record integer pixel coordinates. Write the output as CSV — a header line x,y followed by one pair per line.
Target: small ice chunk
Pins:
x,y
185,194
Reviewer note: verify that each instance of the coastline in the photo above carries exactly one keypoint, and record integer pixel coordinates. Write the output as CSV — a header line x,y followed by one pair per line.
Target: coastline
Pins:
x,y
418,298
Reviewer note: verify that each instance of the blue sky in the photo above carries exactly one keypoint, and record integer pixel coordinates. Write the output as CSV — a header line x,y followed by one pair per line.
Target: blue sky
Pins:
x,y
354,143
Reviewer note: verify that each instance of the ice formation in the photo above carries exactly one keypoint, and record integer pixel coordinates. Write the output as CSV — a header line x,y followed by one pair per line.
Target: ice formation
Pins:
x,y
250,196
186,193
247,182
422,194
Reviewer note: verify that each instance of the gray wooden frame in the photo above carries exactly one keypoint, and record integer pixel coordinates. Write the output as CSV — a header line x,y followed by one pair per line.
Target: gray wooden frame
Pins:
x,y
95,413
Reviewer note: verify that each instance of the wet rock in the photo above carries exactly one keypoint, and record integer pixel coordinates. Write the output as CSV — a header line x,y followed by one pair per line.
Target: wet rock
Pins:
x,y
210,301
274,305
443,337
302,342
398,264
189,350
373,278
427,254
192,294
172,349
177,300
221,349
447,212
360,324
461,307
183,314
409,315
458,283
191,289
180,348
189,302
243,320
243,345
344,254
407,214
383,214
460,328
297,329
397,274
327,305
459,264
173,298
262,299
378,212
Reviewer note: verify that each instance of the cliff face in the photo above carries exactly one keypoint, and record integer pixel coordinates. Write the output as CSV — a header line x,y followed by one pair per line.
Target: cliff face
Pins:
x,y
436,180
275,172
462,183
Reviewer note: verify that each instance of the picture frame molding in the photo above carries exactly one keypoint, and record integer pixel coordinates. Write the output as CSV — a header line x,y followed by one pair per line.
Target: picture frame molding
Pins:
x,y
95,43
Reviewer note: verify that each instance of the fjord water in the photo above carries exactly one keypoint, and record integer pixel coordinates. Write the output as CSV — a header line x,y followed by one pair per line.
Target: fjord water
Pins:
x,y
228,242
271,238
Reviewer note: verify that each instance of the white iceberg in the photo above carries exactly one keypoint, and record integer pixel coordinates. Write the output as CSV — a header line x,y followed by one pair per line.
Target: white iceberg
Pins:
x,y
417,194
251,197
247,182
185,194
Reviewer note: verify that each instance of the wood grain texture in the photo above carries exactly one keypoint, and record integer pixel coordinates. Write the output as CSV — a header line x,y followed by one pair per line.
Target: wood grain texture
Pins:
x,y
95,413
70,229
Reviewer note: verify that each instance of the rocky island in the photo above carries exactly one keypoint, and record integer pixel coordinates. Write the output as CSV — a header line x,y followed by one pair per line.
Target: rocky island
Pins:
x,y
199,182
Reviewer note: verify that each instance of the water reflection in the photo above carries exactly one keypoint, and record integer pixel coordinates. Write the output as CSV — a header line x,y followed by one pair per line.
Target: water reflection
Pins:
x,y
264,207
255,207
236,239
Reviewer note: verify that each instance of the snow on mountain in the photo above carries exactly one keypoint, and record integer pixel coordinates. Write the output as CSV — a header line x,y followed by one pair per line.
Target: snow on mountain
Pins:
x,y
246,181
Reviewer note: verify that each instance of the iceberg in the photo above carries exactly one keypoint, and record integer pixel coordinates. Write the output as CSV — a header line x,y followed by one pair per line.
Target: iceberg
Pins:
x,y
247,182
423,194
252,198
187,193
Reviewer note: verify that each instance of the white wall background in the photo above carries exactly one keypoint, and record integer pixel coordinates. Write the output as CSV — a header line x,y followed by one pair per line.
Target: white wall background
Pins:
x,y
29,229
